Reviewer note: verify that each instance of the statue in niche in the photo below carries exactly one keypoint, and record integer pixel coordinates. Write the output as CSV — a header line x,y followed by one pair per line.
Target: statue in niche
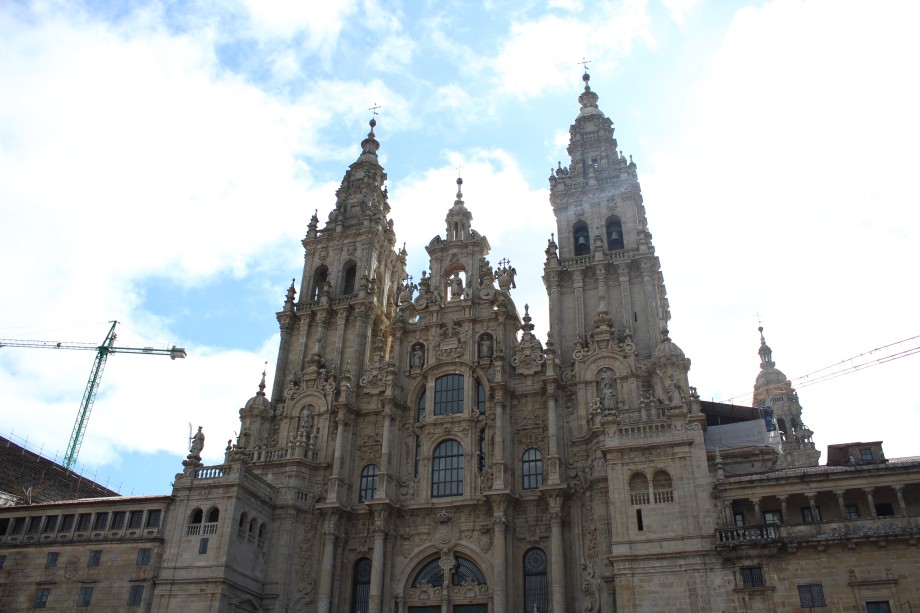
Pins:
x,y
455,283
485,346
673,390
417,357
305,420
607,392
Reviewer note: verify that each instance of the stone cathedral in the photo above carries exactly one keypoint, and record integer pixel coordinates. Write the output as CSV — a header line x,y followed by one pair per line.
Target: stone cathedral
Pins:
x,y
422,451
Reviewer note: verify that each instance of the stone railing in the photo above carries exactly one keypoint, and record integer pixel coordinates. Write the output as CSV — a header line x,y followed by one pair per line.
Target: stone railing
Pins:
x,y
259,484
212,472
610,257
644,430
747,534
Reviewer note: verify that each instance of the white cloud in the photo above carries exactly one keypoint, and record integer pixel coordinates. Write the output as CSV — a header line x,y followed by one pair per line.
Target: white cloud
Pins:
x,y
678,9
287,18
789,192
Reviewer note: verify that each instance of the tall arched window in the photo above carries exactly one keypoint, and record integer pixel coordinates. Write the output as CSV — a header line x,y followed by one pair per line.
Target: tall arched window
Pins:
x,y
448,394
348,283
662,488
638,489
536,594
213,515
447,469
368,483
361,587
431,574
197,517
319,279
420,407
582,238
614,234
532,469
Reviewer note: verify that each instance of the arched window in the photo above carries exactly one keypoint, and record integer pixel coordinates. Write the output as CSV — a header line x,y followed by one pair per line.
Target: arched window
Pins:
x,y
361,587
368,483
431,574
582,238
466,571
319,279
241,528
638,489
532,469
662,488
536,594
421,406
213,515
348,282
197,517
447,470
263,534
448,394
614,234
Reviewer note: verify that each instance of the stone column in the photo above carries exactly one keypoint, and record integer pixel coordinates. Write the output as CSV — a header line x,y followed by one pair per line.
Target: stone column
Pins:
x,y
324,593
868,491
623,275
899,490
782,506
811,505
362,336
377,561
757,514
338,457
840,504
498,557
498,462
552,460
651,293
383,491
558,557
578,282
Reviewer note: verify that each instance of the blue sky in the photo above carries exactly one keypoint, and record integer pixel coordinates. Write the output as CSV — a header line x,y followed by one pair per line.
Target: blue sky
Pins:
x,y
159,163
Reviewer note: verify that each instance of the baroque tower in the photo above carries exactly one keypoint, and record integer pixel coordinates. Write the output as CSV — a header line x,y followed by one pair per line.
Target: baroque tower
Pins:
x,y
774,393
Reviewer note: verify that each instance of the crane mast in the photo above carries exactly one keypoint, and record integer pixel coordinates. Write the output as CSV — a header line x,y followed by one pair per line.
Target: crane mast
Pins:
x,y
95,376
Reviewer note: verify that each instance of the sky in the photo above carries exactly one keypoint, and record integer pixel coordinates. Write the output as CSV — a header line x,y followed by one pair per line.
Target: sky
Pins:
x,y
160,161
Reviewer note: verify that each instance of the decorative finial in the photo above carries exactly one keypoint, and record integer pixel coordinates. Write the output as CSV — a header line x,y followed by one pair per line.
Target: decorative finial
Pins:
x,y
373,122
585,77
262,382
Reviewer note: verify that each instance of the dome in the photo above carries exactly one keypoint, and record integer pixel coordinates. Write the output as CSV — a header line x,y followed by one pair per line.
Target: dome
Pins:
x,y
769,376
667,349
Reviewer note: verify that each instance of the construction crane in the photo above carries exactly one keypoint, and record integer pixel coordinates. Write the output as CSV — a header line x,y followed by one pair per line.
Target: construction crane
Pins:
x,y
95,376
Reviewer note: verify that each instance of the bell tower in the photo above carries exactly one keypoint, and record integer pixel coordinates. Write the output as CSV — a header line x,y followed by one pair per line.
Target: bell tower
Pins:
x,y
601,266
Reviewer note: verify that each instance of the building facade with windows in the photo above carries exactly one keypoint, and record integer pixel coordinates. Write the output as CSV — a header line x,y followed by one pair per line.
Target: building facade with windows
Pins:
x,y
422,451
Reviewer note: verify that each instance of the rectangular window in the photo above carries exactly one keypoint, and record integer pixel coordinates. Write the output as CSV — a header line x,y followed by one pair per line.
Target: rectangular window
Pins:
x,y
135,520
118,520
153,519
752,576
66,523
143,556
102,520
2,561
639,524
865,455
884,509
41,598
83,522
136,596
85,597
50,524
203,546
19,524
852,511
878,606
739,519
52,559
448,394
4,525
95,556
808,517
773,517
34,524
811,596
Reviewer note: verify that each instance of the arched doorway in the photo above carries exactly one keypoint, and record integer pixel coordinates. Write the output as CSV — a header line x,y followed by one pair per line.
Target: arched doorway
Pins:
x,y
465,591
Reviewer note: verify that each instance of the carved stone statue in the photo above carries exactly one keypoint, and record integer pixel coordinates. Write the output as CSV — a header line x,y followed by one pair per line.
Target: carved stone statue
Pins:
x,y
455,283
675,393
485,346
417,358
197,443
607,392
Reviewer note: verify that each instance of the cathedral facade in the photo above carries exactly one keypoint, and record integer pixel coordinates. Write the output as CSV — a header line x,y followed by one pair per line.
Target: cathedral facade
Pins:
x,y
422,451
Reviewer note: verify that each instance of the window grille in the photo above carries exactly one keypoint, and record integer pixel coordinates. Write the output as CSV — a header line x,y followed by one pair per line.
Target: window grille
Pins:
x,y
136,595
752,576
85,597
532,469
368,483
431,574
143,556
447,470
52,559
361,586
536,593
811,596
153,519
95,556
448,394
41,598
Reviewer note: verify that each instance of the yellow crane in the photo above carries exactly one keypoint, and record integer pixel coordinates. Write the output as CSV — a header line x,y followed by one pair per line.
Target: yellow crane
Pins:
x,y
95,376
